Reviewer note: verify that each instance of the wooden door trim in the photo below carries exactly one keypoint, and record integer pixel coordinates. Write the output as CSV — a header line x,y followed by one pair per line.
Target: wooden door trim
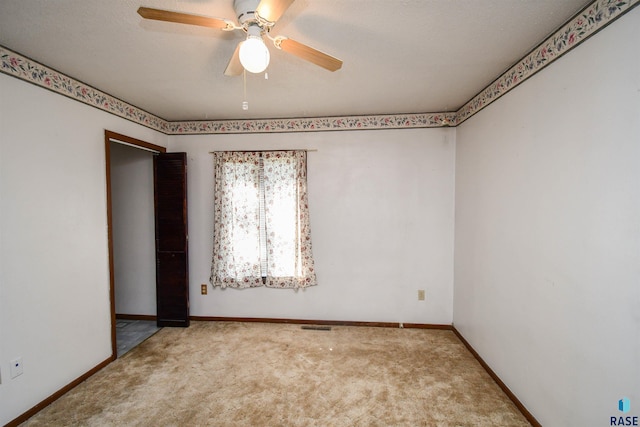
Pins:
x,y
109,137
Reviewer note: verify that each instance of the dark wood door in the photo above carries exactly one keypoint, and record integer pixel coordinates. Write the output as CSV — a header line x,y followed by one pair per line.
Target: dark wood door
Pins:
x,y
172,260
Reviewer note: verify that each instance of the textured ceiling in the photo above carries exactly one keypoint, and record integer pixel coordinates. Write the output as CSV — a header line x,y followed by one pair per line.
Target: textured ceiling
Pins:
x,y
400,56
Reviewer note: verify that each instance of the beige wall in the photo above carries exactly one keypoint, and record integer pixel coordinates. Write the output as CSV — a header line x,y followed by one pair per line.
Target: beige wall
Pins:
x,y
381,208
548,234
54,280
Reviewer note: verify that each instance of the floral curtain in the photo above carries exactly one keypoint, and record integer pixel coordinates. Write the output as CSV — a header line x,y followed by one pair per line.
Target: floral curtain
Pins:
x,y
261,221
236,237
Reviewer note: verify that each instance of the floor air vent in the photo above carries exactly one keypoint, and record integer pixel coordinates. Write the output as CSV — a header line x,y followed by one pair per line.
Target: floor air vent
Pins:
x,y
316,328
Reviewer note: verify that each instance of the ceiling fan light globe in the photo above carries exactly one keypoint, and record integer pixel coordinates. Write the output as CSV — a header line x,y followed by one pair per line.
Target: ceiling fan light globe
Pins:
x,y
254,55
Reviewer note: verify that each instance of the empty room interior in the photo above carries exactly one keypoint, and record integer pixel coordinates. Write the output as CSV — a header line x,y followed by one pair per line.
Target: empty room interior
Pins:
x,y
471,170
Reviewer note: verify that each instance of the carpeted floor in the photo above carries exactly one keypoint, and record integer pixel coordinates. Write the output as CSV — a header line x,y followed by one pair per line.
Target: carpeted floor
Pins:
x,y
260,374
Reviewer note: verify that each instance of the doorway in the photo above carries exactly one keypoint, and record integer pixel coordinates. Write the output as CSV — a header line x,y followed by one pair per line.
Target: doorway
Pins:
x,y
130,208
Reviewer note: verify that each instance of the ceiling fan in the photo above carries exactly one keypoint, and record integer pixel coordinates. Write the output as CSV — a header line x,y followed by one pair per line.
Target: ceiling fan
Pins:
x,y
256,18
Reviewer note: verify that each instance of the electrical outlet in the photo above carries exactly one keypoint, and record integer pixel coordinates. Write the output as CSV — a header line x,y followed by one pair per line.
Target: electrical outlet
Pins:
x,y
203,289
421,295
16,367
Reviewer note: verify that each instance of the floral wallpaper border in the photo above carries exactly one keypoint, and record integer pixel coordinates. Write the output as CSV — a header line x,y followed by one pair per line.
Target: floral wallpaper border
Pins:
x,y
16,65
24,68
591,19
395,121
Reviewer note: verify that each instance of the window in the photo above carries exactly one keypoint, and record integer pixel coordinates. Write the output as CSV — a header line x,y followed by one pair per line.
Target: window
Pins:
x,y
261,220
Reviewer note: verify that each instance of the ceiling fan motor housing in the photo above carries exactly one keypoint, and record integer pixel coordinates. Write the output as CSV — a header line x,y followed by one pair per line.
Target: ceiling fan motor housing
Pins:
x,y
246,11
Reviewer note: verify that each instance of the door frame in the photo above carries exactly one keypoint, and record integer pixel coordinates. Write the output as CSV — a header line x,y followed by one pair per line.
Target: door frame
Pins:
x,y
110,137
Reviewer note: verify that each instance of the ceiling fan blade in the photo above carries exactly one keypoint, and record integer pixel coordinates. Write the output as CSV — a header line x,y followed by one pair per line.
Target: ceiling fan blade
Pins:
x,y
272,10
184,18
309,54
234,68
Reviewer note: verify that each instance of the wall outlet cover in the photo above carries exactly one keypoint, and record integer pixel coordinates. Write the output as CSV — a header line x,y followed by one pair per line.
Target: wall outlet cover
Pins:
x,y
16,367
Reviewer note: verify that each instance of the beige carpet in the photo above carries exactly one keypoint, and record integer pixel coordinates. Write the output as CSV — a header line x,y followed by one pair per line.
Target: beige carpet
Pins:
x,y
259,374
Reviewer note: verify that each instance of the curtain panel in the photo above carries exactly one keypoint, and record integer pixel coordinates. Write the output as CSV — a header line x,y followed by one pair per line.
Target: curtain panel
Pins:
x,y
262,235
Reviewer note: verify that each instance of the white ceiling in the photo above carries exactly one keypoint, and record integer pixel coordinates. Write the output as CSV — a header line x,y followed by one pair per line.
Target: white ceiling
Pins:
x,y
400,56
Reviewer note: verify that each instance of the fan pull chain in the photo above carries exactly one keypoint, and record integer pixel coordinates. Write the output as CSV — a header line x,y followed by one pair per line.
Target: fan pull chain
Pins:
x,y
245,103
